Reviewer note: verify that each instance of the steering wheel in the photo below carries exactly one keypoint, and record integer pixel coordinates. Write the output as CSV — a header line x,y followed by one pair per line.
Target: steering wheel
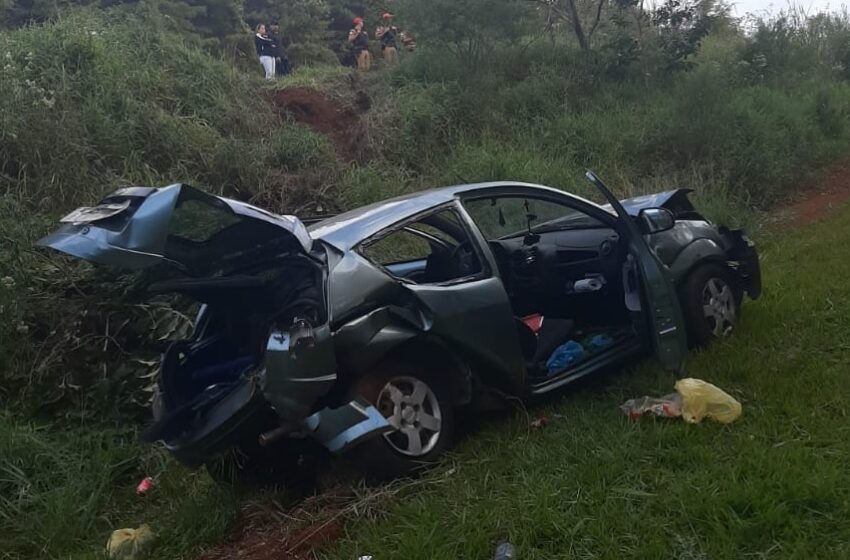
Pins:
x,y
456,259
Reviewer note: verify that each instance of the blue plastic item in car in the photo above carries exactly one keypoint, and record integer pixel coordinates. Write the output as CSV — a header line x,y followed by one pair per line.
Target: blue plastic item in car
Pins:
x,y
600,341
565,355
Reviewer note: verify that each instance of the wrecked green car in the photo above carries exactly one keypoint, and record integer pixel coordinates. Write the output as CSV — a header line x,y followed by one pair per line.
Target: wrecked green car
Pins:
x,y
368,330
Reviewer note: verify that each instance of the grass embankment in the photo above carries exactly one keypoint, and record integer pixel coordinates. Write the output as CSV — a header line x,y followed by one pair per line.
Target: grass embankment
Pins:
x,y
590,484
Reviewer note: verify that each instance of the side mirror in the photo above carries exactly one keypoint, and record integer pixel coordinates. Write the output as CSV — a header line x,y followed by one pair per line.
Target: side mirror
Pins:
x,y
654,220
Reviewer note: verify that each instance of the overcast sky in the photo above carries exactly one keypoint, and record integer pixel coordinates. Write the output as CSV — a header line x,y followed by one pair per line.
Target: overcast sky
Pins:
x,y
743,7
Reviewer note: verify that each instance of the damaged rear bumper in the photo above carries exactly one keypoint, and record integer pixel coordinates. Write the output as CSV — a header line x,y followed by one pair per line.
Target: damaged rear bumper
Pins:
x,y
242,415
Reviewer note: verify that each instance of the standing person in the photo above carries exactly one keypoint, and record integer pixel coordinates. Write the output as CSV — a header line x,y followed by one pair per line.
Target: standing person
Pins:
x,y
359,41
386,33
408,40
265,50
281,61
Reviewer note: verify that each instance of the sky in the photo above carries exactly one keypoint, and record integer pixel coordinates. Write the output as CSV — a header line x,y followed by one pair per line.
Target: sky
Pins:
x,y
761,7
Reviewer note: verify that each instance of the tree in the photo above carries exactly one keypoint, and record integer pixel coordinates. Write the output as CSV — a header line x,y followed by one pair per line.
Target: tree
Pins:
x,y
680,25
301,21
469,28
576,14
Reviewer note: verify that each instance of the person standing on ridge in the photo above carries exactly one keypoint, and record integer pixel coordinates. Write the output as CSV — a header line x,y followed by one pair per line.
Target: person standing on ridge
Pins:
x,y
282,66
386,34
265,50
359,41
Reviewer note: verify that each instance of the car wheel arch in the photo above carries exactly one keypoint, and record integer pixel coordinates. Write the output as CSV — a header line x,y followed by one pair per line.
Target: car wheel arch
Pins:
x,y
437,356
696,254
713,260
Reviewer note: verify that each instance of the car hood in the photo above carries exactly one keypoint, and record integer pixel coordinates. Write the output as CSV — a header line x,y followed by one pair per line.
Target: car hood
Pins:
x,y
675,201
198,233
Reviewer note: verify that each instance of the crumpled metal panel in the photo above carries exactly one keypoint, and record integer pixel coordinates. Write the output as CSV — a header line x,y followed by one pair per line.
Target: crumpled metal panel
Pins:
x,y
341,428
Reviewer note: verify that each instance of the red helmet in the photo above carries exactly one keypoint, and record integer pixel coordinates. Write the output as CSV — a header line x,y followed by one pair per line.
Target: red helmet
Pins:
x,y
357,20
386,15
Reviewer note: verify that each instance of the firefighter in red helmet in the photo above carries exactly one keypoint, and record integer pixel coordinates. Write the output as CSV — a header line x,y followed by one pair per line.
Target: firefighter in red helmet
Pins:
x,y
359,41
386,34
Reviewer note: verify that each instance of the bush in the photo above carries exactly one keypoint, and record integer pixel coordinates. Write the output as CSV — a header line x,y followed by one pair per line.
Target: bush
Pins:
x,y
83,110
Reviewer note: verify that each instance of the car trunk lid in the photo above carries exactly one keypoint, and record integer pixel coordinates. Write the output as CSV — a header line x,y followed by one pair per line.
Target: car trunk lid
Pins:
x,y
198,233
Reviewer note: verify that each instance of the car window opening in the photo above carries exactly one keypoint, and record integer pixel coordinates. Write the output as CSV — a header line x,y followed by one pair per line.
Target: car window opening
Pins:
x,y
563,270
432,250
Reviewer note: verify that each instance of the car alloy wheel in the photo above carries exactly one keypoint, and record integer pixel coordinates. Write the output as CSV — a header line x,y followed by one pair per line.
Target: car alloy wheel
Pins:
x,y
412,408
718,306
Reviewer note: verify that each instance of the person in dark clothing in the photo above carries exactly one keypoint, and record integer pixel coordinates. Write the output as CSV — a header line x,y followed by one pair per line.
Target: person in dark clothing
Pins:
x,y
359,41
386,34
265,50
282,65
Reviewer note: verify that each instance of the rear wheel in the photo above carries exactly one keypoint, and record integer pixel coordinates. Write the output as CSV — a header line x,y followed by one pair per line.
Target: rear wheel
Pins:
x,y
417,405
711,304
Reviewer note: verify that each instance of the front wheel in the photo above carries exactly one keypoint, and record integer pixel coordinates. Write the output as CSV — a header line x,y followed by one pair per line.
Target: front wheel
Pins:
x,y
417,405
710,303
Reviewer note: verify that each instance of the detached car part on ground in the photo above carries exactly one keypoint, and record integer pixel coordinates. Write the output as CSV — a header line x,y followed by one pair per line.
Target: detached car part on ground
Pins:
x,y
368,330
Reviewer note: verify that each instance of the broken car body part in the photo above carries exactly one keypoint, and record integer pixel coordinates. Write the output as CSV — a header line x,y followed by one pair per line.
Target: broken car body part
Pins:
x,y
367,329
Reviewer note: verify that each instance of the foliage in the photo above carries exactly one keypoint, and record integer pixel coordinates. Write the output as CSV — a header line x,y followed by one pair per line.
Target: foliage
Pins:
x,y
76,121
793,44
66,490
469,29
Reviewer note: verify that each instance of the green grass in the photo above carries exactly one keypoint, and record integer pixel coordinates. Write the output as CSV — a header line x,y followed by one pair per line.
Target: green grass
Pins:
x,y
775,484
589,484
62,492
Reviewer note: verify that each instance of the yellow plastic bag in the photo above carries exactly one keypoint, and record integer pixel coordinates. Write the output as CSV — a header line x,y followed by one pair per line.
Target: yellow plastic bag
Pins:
x,y
704,400
129,544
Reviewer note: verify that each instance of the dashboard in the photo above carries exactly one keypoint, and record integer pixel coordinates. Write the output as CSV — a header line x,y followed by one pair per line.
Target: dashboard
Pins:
x,y
548,272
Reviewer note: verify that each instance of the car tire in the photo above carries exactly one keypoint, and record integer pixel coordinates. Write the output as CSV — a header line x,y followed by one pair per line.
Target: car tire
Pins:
x,y
711,304
420,401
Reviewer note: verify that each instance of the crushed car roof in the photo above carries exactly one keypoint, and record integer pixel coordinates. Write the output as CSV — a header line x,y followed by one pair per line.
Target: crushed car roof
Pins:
x,y
346,230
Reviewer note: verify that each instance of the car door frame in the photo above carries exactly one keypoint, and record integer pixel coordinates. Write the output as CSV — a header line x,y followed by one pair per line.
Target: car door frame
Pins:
x,y
664,313
504,355
656,286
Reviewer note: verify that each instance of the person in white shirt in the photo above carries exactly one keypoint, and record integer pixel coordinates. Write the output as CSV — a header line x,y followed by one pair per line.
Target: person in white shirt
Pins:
x,y
266,50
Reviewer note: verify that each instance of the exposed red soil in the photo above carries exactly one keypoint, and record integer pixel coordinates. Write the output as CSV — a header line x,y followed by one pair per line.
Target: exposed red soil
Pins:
x,y
818,200
264,539
324,115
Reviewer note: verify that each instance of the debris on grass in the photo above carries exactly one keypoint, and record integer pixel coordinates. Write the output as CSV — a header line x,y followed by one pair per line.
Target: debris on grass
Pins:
x,y
704,400
693,400
668,406
129,544
144,486
538,423
505,551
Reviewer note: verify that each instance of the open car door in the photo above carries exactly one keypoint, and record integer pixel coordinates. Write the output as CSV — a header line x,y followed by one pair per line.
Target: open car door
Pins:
x,y
664,313
198,233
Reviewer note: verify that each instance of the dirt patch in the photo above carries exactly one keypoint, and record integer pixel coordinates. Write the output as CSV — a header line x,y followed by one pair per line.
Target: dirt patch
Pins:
x,y
273,541
818,200
324,115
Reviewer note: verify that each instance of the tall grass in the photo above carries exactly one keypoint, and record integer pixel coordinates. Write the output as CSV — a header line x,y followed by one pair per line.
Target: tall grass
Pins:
x,y
88,103
66,491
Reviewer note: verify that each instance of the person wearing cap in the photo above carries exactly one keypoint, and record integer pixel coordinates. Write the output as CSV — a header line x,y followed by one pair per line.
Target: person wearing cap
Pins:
x,y
386,34
266,51
359,41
